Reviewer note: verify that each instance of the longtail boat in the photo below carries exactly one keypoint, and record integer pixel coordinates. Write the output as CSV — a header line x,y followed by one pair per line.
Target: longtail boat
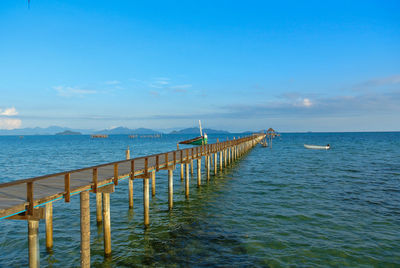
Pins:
x,y
201,140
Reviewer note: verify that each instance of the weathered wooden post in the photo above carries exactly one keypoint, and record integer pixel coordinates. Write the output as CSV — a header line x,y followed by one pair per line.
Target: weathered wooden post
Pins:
x,y
215,164
146,197
225,157
182,171
99,201
106,224
220,160
146,202
153,183
130,187
127,154
198,172
33,243
49,226
170,188
191,167
85,229
187,181
208,166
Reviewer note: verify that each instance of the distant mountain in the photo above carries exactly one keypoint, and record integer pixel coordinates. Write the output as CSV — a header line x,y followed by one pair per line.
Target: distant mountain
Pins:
x,y
128,131
68,132
33,131
196,130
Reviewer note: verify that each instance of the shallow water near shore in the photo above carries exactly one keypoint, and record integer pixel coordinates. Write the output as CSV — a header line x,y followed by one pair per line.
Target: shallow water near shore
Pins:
x,y
278,206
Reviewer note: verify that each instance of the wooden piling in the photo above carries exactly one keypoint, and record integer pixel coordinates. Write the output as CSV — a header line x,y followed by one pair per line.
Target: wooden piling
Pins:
x,y
33,243
85,229
106,224
182,171
208,167
49,226
187,181
220,160
146,201
170,188
99,201
198,172
153,183
191,167
225,157
130,184
215,164
127,154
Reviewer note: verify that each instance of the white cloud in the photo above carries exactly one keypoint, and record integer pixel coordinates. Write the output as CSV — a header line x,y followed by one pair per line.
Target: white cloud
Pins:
x,y
307,102
8,111
10,123
64,91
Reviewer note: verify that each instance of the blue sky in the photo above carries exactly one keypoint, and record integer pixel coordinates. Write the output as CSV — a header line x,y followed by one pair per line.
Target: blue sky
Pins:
x,y
236,65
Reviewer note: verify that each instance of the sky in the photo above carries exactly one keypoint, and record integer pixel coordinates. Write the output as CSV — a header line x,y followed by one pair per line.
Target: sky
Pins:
x,y
235,65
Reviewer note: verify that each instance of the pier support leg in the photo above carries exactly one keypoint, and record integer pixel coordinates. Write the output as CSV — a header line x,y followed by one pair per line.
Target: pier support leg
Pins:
x,y
191,167
85,229
182,171
225,157
215,164
130,193
208,167
146,202
99,218
187,181
153,183
49,226
198,172
220,160
170,189
106,224
33,243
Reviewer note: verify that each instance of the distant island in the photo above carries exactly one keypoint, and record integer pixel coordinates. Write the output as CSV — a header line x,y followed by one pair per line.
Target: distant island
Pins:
x,y
68,132
196,130
56,130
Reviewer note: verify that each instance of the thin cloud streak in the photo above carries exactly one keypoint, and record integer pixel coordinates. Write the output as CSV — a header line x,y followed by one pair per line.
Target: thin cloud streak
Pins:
x,y
66,91
378,82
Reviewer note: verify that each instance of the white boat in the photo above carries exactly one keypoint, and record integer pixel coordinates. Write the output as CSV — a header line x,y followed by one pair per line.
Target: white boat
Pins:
x,y
317,147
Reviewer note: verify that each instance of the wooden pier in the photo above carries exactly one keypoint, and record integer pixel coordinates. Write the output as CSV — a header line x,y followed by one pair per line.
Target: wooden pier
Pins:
x,y
31,199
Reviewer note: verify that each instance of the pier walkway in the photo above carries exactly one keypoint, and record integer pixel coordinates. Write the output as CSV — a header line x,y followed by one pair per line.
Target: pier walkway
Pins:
x,y
31,199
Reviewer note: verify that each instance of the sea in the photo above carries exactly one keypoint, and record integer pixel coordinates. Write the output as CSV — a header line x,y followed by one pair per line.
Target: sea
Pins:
x,y
279,206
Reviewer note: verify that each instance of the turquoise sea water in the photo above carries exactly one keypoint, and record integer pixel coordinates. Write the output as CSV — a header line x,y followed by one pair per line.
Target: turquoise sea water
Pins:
x,y
285,206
